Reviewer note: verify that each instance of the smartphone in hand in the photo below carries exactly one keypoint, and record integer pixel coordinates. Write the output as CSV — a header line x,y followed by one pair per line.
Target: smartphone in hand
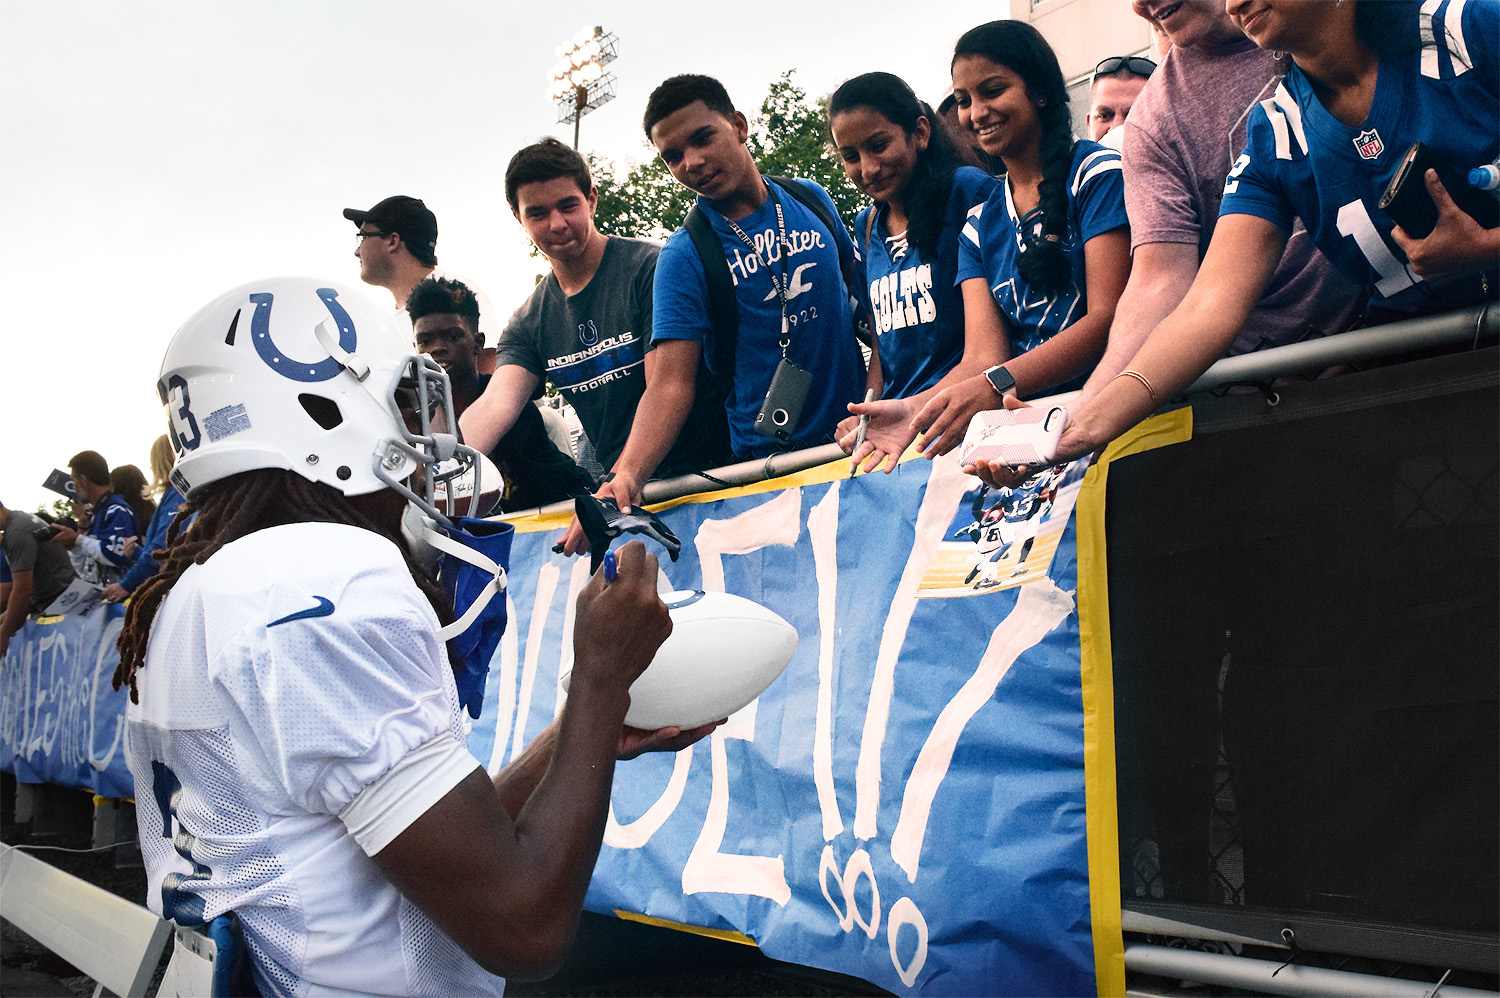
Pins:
x,y
1014,437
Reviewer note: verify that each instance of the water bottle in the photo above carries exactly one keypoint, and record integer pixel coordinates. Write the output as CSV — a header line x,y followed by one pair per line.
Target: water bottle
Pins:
x,y
1486,178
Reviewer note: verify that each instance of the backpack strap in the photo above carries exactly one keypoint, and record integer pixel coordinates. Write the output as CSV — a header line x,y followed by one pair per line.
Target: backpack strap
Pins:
x,y
723,310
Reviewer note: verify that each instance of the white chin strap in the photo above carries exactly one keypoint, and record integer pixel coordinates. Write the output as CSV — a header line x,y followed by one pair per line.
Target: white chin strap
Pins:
x,y
426,539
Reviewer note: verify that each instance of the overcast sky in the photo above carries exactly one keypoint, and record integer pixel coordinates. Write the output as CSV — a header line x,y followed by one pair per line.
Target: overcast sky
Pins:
x,y
155,154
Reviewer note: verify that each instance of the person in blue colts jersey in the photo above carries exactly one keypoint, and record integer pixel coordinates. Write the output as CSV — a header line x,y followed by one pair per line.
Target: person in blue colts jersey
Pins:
x,y
1367,80
899,153
99,553
789,290
1051,245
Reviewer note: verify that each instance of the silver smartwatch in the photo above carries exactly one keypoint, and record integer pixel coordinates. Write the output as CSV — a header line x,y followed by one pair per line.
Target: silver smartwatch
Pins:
x,y
1000,379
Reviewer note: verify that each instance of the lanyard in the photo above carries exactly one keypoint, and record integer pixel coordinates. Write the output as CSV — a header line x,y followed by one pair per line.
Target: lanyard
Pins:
x,y
781,284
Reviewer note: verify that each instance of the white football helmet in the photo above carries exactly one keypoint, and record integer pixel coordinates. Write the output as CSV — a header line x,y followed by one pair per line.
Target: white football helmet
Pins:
x,y
309,376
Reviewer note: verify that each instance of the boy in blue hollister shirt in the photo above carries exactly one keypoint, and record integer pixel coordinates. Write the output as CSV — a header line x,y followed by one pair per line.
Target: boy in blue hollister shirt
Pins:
x,y
790,294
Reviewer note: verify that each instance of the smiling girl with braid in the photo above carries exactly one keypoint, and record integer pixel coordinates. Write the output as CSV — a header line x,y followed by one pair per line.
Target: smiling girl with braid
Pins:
x,y
1052,243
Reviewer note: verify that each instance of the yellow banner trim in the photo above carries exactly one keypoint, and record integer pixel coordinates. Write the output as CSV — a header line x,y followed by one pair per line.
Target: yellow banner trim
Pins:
x,y
727,935
526,523
1099,694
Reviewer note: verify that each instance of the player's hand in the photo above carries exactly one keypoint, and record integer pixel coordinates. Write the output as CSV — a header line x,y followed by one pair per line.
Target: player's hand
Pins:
x,y
888,435
1456,244
128,548
619,625
114,593
944,420
66,536
639,741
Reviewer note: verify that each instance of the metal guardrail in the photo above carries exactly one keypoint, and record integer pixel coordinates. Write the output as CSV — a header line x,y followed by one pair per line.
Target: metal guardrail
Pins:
x,y
1267,977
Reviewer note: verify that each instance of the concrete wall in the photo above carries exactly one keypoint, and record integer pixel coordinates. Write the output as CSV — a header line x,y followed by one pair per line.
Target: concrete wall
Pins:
x,y
1083,33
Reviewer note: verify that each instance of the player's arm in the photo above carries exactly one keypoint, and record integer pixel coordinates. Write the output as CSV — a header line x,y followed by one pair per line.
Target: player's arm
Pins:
x,y
1160,275
1243,254
509,889
492,415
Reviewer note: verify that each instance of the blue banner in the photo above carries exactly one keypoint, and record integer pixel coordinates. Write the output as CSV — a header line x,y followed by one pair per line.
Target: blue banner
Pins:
x,y
60,722
906,802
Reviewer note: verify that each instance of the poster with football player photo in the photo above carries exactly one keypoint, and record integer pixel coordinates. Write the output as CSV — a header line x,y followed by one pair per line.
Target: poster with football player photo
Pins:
x,y
1002,538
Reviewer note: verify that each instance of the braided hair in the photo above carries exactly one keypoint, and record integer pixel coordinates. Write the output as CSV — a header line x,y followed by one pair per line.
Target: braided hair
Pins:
x,y
230,509
1043,263
925,196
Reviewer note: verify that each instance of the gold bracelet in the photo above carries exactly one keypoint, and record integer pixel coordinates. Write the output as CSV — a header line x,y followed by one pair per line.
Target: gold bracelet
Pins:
x,y
1137,375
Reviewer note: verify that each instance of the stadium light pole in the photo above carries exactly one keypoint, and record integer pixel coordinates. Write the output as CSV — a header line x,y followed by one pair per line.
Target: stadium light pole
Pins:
x,y
579,82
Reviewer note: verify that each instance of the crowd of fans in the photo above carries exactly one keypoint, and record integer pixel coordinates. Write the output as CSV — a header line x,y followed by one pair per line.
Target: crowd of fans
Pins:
x,y
740,337
110,542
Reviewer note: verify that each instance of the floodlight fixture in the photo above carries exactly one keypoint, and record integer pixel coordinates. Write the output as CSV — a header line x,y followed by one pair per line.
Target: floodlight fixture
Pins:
x,y
579,82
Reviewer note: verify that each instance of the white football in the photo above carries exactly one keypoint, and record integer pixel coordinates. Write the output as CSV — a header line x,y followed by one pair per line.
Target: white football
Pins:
x,y
723,652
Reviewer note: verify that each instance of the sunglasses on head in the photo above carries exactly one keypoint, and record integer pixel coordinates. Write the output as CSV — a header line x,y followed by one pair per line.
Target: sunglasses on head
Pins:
x,y
1136,64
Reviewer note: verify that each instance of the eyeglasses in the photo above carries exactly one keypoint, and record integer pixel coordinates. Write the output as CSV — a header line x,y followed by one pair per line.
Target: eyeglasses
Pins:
x,y
362,235
1132,63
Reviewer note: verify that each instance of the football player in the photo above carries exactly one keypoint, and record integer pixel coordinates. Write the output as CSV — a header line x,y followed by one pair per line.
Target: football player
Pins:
x,y
294,729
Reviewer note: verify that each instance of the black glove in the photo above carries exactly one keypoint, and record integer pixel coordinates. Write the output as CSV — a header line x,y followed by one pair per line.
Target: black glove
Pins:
x,y
602,522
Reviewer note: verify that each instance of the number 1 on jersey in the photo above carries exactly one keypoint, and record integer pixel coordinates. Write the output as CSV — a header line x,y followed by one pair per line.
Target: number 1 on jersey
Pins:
x,y
1354,221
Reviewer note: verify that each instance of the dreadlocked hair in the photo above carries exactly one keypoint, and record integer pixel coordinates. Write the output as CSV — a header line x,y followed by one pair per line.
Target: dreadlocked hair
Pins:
x,y
925,196
1043,262
232,508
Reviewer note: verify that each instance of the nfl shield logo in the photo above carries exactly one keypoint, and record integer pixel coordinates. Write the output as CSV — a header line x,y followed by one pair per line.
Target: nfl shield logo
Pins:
x,y
1369,145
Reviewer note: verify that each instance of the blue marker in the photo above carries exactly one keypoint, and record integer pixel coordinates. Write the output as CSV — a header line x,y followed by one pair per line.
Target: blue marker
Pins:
x,y
610,569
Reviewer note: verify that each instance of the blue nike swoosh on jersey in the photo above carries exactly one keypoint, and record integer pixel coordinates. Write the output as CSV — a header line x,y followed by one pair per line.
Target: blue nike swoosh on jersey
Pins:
x,y
323,609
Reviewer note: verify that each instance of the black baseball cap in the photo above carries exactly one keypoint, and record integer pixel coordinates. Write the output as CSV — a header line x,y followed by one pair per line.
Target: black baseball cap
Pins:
x,y
407,216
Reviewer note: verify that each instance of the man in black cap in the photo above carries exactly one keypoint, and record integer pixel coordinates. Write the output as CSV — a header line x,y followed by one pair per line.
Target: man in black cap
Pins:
x,y
397,249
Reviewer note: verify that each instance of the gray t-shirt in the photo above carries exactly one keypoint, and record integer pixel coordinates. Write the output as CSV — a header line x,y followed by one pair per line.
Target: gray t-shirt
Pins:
x,y
27,550
592,346
1181,139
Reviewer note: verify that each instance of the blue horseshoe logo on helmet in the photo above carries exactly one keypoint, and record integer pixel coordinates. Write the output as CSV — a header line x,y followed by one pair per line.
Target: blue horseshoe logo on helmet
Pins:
x,y
323,370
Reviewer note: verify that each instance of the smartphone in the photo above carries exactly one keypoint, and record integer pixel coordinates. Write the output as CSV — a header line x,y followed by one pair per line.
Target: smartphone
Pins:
x,y
1014,436
1406,201
782,408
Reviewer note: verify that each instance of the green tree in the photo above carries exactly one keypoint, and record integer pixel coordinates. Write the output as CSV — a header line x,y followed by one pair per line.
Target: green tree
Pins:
x,y
788,138
642,200
58,508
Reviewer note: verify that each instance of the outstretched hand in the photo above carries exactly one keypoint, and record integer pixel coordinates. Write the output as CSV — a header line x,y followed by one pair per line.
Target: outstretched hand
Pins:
x,y
1455,246
944,420
624,489
997,474
888,435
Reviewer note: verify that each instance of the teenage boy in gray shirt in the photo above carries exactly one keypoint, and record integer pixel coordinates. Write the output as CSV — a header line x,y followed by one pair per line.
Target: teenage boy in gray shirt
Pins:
x,y
587,326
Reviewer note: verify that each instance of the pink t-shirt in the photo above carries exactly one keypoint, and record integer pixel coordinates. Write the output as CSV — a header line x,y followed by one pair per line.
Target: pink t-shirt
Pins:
x,y
1181,139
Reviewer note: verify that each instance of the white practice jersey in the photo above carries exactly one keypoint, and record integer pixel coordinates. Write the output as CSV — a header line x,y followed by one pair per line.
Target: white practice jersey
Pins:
x,y
297,712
